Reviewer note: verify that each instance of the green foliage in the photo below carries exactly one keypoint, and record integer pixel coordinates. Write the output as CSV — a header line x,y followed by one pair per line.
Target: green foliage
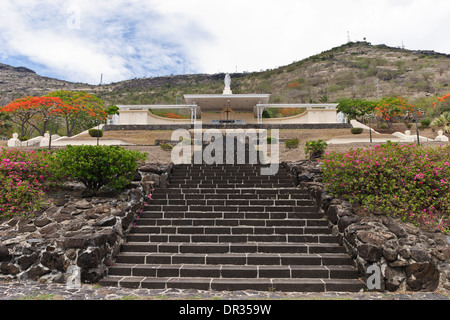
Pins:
x,y
425,123
315,148
112,110
98,166
408,181
292,143
356,130
166,146
356,107
272,140
443,121
95,133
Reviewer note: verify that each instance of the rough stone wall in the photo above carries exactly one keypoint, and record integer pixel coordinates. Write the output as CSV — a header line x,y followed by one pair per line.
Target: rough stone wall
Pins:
x,y
410,259
75,230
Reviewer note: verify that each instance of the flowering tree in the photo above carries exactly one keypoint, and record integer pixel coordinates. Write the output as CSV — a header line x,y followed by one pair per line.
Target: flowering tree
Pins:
x,y
391,110
80,110
37,112
356,107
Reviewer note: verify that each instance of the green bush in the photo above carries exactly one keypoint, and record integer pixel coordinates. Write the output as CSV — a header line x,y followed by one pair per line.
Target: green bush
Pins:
x,y
425,123
98,166
356,130
271,140
292,144
408,181
95,133
166,146
315,149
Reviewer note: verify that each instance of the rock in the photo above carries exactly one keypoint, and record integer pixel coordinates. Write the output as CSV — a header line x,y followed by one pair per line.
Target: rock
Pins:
x,y
149,168
151,177
420,255
390,253
84,241
369,252
49,229
345,221
422,276
68,209
89,259
440,252
82,204
53,261
41,222
4,254
106,222
332,212
9,268
27,228
377,237
36,272
26,261
394,278
305,176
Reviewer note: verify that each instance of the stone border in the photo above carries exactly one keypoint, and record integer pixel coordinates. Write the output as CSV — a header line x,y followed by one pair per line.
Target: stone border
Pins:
x,y
410,259
74,230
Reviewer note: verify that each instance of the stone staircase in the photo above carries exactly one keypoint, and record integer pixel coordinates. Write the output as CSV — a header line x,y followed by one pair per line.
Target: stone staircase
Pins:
x,y
226,227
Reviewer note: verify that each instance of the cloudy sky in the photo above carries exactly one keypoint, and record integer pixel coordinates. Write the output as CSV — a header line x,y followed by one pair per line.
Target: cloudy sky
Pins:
x,y
78,40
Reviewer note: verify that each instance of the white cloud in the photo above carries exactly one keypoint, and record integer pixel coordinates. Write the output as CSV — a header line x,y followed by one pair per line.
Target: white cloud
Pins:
x,y
80,39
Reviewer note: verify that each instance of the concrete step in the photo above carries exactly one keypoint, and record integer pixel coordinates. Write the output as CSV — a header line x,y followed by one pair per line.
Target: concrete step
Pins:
x,y
226,214
261,247
233,222
235,258
231,238
233,284
231,230
230,202
230,271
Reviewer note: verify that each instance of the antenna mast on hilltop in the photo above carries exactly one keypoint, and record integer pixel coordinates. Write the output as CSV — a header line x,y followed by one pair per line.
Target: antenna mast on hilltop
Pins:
x,y
348,37
101,79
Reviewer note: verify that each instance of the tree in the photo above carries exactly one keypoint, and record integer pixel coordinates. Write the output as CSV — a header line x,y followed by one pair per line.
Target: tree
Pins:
x,y
443,105
356,107
80,110
4,125
392,109
112,110
37,112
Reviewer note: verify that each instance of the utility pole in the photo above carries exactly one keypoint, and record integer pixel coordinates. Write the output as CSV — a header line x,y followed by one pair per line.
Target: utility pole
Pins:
x,y
378,89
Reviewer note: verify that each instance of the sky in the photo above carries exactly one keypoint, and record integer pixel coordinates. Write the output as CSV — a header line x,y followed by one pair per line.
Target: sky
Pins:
x,y
81,40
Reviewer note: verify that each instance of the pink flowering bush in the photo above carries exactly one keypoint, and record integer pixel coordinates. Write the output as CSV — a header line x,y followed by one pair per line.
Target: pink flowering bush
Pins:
x,y
408,181
25,176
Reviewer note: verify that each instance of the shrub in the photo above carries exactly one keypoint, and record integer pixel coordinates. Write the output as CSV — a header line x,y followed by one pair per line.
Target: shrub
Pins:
x,y
99,166
271,140
315,149
166,146
356,130
291,144
25,176
425,123
408,181
95,133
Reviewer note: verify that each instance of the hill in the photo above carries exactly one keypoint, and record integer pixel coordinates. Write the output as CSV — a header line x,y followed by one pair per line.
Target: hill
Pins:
x,y
351,70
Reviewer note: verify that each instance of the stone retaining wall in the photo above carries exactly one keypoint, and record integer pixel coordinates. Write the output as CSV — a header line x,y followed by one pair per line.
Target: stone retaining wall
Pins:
x,y
230,126
75,230
410,259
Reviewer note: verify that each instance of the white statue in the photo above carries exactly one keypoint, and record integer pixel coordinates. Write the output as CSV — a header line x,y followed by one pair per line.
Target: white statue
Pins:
x,y
441,136
14,141
227,89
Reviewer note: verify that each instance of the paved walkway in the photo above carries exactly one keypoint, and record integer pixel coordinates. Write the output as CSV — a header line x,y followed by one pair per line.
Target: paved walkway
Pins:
x,y
36,291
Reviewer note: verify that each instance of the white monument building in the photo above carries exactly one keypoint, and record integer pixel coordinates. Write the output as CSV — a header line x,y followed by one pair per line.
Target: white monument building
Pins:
x,y
227,108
